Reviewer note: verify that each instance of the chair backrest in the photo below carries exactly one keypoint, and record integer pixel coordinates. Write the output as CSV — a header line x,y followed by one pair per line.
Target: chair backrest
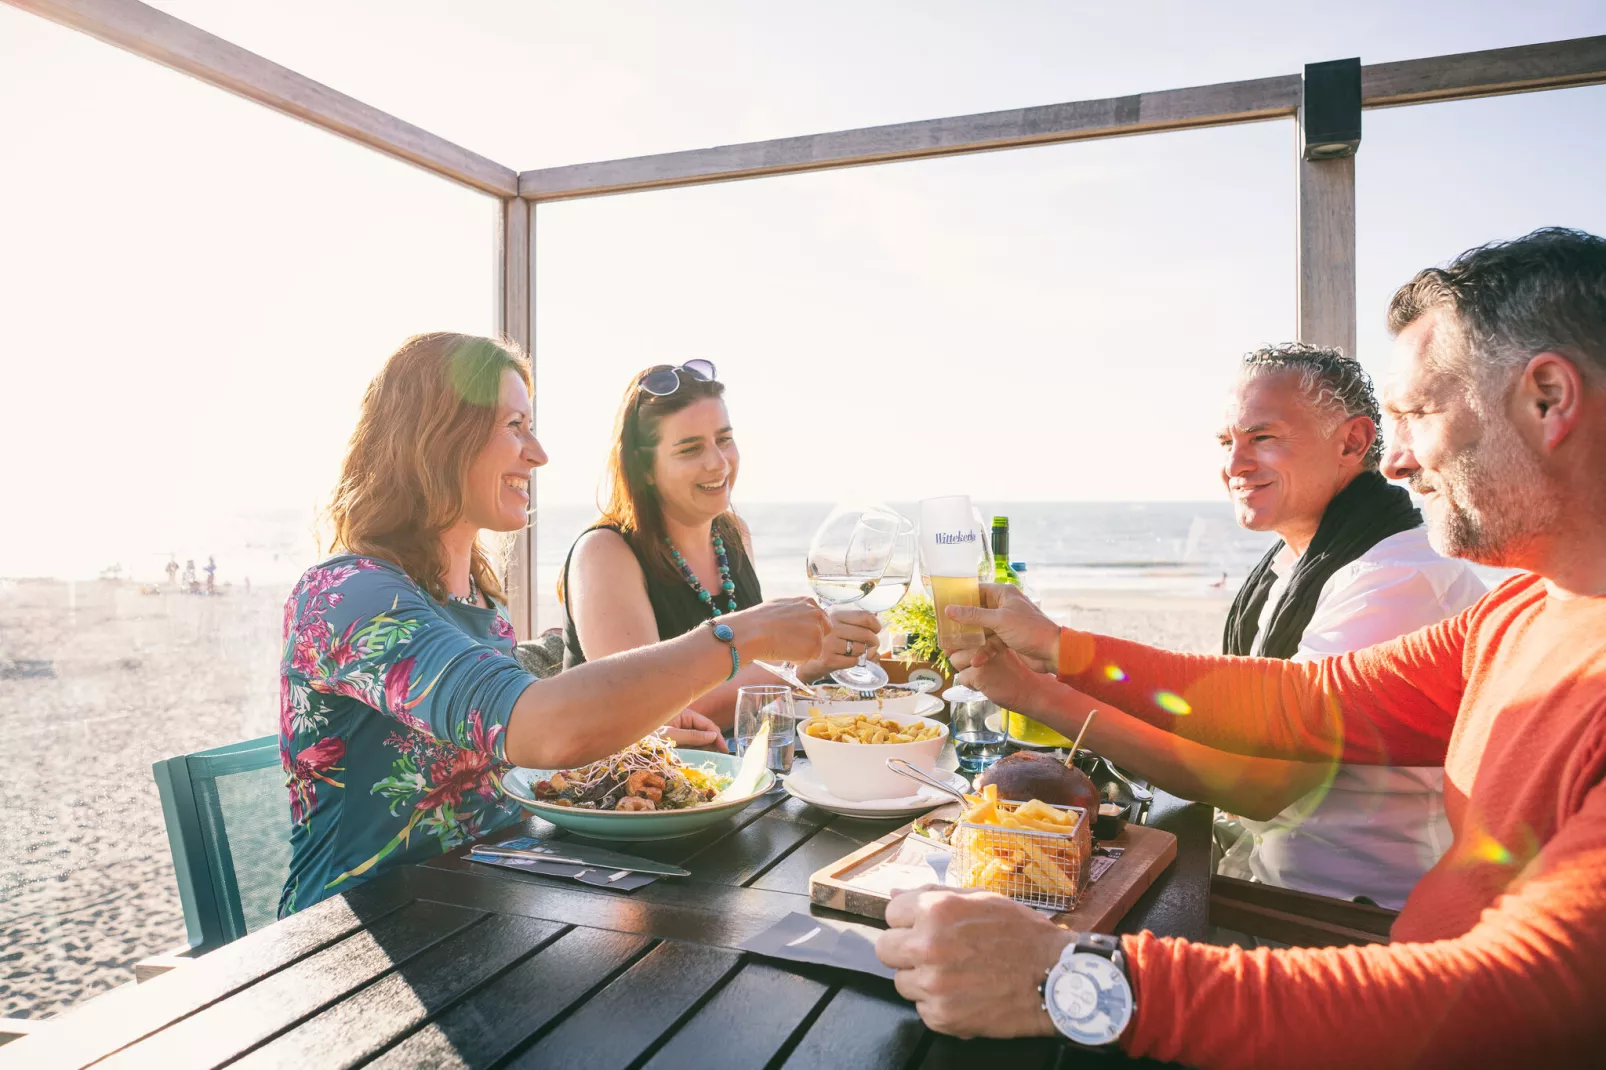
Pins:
x,y
228,824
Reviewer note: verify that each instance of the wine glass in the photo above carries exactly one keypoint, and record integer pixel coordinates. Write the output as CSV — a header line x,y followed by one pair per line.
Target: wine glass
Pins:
x,y
847,560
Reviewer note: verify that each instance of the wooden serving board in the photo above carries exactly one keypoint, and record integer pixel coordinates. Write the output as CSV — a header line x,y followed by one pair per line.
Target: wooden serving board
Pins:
x,y
1101,907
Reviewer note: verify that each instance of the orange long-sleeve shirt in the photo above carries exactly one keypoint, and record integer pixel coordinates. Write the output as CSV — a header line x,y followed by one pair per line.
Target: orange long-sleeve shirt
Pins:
x,y
1499,956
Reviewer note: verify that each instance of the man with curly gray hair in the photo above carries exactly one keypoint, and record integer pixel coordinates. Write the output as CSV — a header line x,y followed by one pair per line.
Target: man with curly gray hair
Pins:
x,y
1301,451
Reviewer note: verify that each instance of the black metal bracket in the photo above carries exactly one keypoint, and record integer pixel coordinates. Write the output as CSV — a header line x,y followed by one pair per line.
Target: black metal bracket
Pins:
x,y
1330,115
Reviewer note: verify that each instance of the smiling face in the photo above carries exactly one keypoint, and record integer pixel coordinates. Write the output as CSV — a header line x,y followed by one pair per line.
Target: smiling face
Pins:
x,y
1484,491
695,462
496,496
1283,459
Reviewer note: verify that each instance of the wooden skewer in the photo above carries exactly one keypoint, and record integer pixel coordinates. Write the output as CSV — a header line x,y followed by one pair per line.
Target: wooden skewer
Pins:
x,y
1078,744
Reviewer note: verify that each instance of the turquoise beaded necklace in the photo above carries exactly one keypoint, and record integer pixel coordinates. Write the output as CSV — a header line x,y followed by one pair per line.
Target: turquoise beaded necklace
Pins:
x,y
725,585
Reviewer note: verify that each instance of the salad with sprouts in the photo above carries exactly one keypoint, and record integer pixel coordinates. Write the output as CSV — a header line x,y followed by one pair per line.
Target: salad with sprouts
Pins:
x,y
647,775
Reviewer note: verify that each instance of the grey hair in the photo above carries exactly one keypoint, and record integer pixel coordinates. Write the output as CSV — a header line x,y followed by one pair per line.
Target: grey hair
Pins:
x,y
1545,292
1331,382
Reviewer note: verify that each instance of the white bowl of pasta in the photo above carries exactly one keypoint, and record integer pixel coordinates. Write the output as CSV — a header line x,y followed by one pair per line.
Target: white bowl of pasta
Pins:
x,y
849,752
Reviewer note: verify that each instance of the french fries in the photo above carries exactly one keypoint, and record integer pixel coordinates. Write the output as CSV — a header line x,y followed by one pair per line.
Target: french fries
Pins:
x,y
1029,851
868,728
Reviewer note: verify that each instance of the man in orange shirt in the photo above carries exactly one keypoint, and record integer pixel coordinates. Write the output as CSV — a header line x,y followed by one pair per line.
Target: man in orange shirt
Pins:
x,y
1499,955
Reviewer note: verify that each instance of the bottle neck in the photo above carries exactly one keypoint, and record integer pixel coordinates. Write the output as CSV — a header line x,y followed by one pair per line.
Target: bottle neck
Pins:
x,y
1001,542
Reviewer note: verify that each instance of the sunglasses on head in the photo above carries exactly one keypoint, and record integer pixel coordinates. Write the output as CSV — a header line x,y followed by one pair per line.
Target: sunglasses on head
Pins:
x,y
665,381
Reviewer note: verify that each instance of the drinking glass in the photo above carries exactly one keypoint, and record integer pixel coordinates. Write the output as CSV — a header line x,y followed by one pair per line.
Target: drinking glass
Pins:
x,y
761,705
847,560
952,548
977,743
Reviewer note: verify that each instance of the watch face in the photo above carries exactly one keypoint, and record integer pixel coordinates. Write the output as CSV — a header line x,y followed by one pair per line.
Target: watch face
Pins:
x,y
1089,999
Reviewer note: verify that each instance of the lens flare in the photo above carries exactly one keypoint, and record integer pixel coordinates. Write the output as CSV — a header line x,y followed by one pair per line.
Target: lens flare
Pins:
x,y
1172,703
1114,672
1489,849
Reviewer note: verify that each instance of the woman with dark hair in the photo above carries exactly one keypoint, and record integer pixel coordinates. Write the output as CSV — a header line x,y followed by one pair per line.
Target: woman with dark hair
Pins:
x,y
668,553
401,703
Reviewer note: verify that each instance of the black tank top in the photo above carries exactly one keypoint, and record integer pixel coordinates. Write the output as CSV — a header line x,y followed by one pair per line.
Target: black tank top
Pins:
x,y
675,606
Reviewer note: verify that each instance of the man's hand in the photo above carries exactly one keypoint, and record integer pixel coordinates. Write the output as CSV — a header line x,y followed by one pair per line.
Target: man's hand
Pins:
x,y
688,728
972,962
1004,677
1010,616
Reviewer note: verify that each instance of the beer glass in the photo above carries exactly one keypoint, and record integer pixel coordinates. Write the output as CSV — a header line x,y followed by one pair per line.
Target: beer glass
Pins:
x,y
951,545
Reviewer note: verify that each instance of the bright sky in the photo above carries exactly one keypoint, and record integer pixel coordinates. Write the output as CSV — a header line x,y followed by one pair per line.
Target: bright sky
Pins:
x,y
196,289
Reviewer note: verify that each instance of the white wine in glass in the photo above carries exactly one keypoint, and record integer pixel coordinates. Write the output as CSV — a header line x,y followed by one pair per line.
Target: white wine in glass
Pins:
x,y
847,558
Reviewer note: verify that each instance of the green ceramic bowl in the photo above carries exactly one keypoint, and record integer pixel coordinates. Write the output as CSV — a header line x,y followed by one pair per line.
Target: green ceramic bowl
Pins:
x,y
519,785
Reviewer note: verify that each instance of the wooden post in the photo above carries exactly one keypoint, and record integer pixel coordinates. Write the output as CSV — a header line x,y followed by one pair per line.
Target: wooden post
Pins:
x,y
515,300
1326,250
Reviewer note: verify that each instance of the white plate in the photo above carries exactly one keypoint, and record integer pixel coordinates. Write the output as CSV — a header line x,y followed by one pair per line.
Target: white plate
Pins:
x,y
801,783
923,706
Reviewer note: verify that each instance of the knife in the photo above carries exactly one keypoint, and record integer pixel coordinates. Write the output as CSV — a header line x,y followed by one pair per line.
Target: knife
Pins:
x,y
595,857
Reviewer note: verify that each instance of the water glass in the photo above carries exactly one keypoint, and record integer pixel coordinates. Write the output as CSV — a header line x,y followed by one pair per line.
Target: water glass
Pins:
x,y
976,743
768,705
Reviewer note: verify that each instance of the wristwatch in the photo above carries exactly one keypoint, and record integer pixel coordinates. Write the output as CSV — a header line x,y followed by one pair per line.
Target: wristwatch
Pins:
x,y
1087,992
727,635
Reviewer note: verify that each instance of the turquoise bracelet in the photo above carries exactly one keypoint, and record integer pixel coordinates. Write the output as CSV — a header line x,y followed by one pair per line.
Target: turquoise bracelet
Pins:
x,y
725,634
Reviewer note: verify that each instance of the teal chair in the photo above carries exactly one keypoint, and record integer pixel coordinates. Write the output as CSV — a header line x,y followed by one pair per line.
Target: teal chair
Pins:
x,y
228,824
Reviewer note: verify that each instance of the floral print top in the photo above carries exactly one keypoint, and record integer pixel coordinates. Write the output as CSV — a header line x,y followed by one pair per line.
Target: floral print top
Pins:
x,y
393,713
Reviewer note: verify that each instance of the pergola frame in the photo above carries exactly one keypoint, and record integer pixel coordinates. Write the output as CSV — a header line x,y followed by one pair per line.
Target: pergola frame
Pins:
x,y
1325,274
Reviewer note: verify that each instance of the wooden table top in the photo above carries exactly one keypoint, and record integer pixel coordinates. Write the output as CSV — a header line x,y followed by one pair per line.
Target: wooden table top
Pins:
x,y
454,963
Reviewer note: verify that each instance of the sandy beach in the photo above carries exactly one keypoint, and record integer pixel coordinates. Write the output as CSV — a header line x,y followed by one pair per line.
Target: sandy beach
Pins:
x,y
86,879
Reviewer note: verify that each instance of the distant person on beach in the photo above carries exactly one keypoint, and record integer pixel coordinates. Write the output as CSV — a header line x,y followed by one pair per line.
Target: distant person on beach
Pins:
x,y
669,553
1498,420
401,702
172,572
191,584
211,575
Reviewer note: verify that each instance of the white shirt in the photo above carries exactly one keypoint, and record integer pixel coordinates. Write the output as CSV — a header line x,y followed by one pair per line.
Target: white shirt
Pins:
x,y
1376,829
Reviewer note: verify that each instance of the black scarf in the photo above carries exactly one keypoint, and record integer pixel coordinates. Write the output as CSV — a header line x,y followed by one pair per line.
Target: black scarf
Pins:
x,y
1359,517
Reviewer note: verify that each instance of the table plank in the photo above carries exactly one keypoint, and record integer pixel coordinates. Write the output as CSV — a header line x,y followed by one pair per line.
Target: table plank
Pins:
x,y
626,1018
841,837
498,1017
1178,903
710,914
1026,1053
865,1024
123,1015
747,1022
740,859
360,1027
260,1011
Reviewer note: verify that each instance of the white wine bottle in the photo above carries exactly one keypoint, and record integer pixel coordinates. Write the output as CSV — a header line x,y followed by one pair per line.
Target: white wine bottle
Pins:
x,y
1021,729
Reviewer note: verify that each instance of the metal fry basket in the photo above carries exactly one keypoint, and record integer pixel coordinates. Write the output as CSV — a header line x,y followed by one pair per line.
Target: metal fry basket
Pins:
x,y
1041,869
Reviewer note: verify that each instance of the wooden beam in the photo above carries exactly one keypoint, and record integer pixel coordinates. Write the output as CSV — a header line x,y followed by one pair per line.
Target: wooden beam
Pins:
x,y
1142,113
1523,69
1553,65
155,35
1325,250
515,297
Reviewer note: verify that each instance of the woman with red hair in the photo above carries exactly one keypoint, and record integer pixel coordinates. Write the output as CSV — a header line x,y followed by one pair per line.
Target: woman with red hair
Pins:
x,y
401,703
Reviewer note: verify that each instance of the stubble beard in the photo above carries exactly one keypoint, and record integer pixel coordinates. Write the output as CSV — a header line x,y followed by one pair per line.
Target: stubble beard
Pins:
x,y
1492,500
